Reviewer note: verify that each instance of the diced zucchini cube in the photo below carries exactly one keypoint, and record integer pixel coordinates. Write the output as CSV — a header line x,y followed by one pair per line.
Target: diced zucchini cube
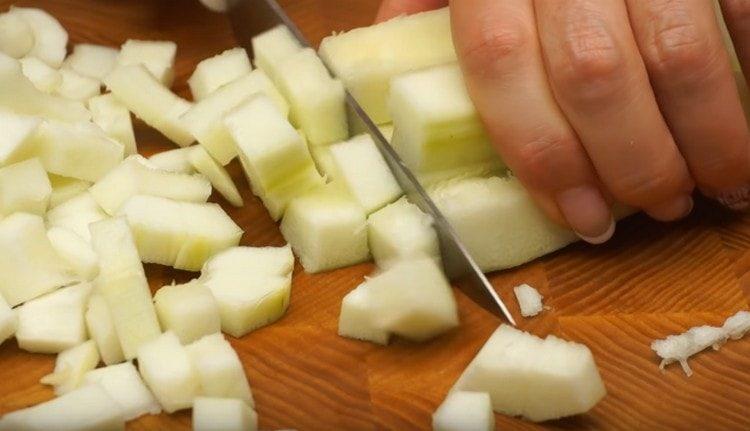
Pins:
x,y
436,127
204,119
155,55
315,99
212,73
189,310
167,370
367,58
123,383
223,414
219,369
24,187
401,231
252,286
363,170
327,230
464,411
29,265
93,61
54,322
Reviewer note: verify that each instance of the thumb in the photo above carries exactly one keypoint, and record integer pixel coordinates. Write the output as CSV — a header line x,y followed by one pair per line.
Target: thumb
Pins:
x,y
392,8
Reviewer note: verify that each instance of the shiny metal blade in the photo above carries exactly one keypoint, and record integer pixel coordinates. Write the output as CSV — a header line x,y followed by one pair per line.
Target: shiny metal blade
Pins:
x,y
251,17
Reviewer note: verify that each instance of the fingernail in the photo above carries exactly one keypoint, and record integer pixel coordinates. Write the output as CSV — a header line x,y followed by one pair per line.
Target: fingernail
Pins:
x,y
587,213
737,199
672,210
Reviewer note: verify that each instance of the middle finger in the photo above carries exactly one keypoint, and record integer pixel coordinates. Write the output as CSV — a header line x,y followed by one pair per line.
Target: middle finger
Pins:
x,y
601,84
681,44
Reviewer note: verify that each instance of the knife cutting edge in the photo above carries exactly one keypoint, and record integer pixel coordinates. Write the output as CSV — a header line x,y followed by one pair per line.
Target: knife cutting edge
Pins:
x,y
251,17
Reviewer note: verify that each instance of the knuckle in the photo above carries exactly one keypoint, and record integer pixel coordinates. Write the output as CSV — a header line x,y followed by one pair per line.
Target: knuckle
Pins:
x,y
679,49
488,50
646,186
542,159
591,62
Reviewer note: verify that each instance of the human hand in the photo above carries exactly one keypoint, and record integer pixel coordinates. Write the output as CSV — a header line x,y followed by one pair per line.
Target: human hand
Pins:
x,y
595,101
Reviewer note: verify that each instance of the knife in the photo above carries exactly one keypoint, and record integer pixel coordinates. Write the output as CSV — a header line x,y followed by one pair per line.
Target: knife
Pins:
x,y
251,17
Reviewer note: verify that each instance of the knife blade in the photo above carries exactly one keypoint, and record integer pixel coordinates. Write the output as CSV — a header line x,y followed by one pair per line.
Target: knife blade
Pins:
x,y
251,17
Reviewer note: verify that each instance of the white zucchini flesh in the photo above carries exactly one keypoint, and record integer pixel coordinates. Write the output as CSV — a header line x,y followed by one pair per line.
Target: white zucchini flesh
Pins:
x,y
223,414
189,310
93,61
274,156
323,159
252,286
28,262
176,160
16,37
156,56
212,73
438,131
102,331
54,322
464,411
738,325
45,78
216,174
65,189
19,95
327,229
114,119
272,47
167,370
50,38
498,221
268,145
315,99
24,187
539,379
8,321
413,299
366,59
179,234
529,300
357,318
76,251
76,214
75,86
219,369
150,101
15,141
136,176
277,199
401,231
204,119
678,348
122,282
79,150
361,167
125,386
89,408
70,367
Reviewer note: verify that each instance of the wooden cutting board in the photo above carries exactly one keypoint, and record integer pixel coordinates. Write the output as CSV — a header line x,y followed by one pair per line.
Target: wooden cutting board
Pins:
x,y
650,281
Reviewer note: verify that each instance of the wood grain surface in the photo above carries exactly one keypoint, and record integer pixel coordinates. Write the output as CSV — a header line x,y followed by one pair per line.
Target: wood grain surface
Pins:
x,y
650,281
